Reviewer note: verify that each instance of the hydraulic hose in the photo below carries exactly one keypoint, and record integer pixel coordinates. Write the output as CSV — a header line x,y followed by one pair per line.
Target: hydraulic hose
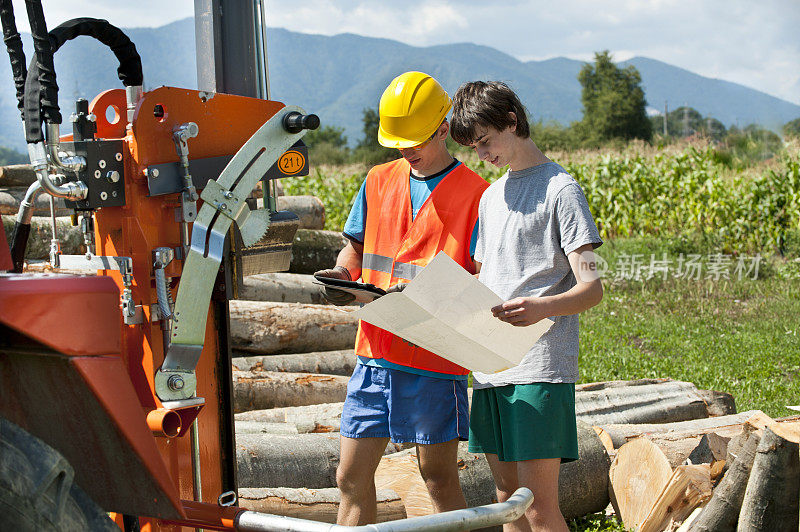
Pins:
x,y
22,227
15,53
41,90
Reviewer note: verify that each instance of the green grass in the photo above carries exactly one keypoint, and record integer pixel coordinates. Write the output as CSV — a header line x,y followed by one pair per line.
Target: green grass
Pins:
x,y
740,337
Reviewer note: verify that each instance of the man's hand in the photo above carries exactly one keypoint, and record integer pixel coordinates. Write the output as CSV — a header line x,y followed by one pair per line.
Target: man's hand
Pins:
x,y
521,311
337,297
399,287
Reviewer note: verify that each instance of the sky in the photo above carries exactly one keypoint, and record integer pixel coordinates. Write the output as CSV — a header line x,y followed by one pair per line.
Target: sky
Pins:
x,y
754,43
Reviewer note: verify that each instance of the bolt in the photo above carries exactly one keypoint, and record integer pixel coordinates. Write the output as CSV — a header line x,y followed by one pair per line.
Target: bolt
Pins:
x,y
223,207
154,173
114,193
91,117
118,156
112,176
97,174
175,383
101,163
229,194
104,195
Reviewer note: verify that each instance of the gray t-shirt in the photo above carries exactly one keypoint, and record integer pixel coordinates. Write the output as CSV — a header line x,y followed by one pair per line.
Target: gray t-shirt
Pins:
x,y
528,222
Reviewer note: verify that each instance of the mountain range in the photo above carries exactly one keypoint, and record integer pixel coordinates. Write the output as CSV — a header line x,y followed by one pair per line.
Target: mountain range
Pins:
x,y
337,77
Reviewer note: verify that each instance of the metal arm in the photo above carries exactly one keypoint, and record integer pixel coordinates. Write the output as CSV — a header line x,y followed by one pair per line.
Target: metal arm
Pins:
x,y
467,519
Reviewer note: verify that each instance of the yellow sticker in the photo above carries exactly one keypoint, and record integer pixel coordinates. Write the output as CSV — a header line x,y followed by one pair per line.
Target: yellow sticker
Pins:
x,y
291,162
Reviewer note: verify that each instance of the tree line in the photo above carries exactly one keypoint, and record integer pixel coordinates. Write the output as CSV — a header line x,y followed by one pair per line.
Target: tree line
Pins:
x,y
614,113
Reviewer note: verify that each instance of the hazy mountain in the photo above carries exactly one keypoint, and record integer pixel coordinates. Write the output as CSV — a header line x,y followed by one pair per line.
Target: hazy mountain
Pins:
x,y
336,77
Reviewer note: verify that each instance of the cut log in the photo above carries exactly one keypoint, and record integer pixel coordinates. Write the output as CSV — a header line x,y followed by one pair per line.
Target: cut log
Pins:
x,y
722,511
719,403
682,448
341,362
290,461
294,414
17,175
309,209
282,287
648,401
315,504
314,250
257,390
10,198
773,490
264,328
688,487
260,427
615,436
637,475
39,238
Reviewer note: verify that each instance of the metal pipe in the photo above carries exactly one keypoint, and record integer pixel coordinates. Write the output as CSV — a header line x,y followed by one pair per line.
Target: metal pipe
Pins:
x,y
195,441
467,519
133,94
74,163
262,63
164,423
25,212
71,190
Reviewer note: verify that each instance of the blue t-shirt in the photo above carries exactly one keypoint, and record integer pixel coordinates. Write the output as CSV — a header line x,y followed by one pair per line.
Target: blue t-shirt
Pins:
x,y
420,189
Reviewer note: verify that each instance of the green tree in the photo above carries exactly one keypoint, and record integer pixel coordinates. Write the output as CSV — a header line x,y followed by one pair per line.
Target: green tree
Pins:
x,y
792,129
12,156
368,149
687,121
613,101
331,135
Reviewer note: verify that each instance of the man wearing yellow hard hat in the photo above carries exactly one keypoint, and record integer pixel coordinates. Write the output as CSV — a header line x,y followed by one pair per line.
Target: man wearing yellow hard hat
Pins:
x,y
406,212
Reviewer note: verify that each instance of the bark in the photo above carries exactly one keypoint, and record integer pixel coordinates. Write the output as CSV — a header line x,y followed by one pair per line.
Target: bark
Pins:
x,y
293,414
10,198
260,427
582,485
266,328
773,490
282,287
290,461
309,209
615,436
719,403
315,250
315,504
722,511
637,475
648,401
340,362
39,239
269,389
688,487
17,175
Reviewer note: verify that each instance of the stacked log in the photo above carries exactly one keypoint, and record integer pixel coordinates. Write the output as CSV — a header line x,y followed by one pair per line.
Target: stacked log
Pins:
x,y
315,504
282,287
314,250
264,327
662,476
257,390
17,175
41,232
10,199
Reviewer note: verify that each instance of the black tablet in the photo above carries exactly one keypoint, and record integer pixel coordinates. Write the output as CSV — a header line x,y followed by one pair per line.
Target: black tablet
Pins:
x,y
364,292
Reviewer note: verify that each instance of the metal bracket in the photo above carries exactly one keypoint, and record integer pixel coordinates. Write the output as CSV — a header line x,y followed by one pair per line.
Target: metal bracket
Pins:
x,y
226,202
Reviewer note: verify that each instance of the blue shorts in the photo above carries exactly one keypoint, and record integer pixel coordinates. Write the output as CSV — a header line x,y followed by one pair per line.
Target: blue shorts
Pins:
x,y
396,404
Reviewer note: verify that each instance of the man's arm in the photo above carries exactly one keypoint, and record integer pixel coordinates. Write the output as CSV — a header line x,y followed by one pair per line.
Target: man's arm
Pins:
x,y
350,257
588,292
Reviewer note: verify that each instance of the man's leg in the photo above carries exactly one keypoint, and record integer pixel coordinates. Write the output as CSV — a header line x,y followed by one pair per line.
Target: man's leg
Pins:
x,y
355,476
541,476
438,464
506,483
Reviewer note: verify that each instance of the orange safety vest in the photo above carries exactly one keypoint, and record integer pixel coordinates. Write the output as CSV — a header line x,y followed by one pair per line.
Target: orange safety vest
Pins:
x,y
397,248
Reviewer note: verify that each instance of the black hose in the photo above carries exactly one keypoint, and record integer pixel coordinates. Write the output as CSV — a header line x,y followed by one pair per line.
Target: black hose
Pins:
x,y
41,90
129,70
15,53
19,241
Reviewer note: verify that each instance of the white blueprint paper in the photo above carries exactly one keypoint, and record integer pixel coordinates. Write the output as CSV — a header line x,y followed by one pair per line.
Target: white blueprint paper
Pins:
x,y
448,311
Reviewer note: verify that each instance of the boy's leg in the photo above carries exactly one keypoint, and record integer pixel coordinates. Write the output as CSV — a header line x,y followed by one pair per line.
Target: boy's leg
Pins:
x,y
438,464
506,483
541,477
355,476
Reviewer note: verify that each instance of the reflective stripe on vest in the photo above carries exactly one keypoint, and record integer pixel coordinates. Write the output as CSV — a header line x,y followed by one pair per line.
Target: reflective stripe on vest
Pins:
x,y
397,247
381,263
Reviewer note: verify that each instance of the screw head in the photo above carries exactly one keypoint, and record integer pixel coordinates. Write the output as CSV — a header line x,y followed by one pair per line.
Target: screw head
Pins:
x,y
112,176
104,195
223,207
101,163
118,156
229,194
175,383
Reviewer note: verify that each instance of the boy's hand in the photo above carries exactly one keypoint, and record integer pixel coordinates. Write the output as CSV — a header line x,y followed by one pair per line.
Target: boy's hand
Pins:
x,y
521,311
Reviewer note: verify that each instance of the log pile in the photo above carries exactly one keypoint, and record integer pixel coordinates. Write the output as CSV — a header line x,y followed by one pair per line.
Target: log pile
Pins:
x,y
664,475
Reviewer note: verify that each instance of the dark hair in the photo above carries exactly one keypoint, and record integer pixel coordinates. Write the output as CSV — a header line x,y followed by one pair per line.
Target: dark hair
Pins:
x,y
486,104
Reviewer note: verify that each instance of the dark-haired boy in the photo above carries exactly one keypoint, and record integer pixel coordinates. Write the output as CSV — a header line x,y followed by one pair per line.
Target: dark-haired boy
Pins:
x,y
534,249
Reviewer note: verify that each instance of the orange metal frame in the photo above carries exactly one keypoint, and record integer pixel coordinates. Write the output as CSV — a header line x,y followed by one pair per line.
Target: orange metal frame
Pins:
x,y
145,223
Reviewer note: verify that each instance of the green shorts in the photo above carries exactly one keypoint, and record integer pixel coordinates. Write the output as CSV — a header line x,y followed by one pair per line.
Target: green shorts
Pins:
x,y
525,422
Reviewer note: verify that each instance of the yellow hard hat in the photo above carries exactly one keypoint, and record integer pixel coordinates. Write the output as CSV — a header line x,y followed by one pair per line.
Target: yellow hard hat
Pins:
x,y
412,108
